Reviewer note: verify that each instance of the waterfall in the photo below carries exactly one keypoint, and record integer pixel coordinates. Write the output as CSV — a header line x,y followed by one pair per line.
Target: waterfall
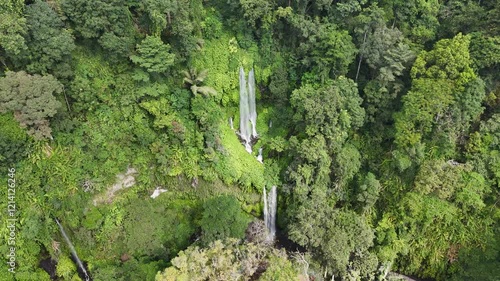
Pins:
x,y
73,251
259,157
231,123
157,192
244,109
251,102
270,212
248,113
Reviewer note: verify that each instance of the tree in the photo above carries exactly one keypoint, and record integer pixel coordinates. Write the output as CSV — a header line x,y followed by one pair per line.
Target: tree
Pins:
x,y
460,118
145,234
208,115
49,44
325,115
368,192
427,101
180,20
337,238
346,242
467,17
332,51
387,55
106,20
153,55
449,59
333,109
258,11
279,85
222,218
346,164
31,98
12,6
118,46
417,19
451,181
310,172
484,50
324,47
386,52
93,18
12,31
160,13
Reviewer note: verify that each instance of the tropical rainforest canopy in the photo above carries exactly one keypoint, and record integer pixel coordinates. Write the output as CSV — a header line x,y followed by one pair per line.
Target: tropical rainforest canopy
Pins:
x,y
378,121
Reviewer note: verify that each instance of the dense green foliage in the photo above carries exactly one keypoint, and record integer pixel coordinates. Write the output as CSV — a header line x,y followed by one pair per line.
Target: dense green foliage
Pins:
x,y
379,121
228,261
222,218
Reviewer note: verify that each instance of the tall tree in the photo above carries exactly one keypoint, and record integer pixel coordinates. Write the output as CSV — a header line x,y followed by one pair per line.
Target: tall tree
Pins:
x,y
179,20
337,238
258,12
49,43
333,110
449,59
325,116
160,14
387,56
153,55
323,46
109,21
31,99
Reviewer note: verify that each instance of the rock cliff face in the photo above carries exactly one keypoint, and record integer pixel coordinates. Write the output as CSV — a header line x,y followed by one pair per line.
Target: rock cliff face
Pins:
x,y
123,181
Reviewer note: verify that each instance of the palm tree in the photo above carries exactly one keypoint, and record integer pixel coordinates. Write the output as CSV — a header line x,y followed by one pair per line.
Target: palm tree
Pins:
x,y
195,79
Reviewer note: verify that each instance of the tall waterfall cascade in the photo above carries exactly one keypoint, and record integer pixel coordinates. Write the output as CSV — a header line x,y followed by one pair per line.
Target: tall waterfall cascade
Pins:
x,y
270,205
73,251
248,113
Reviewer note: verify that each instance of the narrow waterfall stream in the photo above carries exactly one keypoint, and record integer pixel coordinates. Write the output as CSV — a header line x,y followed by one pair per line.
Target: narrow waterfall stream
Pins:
x,y
270,205
73,251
